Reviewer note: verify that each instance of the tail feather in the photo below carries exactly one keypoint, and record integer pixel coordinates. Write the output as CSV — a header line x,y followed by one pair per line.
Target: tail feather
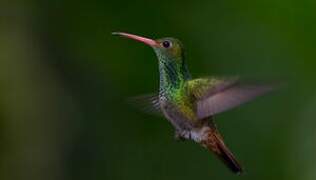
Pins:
x,y
213,141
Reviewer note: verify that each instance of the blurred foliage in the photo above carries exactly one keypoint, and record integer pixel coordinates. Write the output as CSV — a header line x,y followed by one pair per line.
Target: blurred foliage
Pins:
x,y
64,80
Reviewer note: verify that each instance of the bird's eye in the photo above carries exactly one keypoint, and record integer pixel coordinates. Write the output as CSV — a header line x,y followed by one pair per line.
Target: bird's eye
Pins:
x,y
166,44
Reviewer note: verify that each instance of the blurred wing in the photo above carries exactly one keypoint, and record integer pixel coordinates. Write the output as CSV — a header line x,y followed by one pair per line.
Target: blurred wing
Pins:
x,y
205,87
229,98
216,95
148,103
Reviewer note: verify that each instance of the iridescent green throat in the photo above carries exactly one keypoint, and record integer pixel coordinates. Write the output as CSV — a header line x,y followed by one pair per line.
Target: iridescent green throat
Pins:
x,y
173,73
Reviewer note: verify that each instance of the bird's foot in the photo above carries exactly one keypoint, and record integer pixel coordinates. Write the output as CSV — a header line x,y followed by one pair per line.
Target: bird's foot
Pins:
x,y
182,135
178,136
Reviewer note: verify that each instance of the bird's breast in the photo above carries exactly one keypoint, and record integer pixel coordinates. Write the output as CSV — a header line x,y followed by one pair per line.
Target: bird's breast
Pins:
x,y
180,115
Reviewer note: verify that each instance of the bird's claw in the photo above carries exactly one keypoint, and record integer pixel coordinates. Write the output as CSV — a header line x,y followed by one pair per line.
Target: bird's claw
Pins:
x,y
178,136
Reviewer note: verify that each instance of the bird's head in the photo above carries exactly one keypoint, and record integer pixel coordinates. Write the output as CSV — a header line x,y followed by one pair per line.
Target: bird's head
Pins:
x,y
166,49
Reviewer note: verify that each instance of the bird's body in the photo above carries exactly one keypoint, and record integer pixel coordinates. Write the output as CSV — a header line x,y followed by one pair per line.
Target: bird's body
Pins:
x,y
190,104
178,103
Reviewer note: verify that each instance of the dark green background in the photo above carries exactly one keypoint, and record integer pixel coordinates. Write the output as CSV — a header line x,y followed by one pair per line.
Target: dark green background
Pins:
x,y
64,80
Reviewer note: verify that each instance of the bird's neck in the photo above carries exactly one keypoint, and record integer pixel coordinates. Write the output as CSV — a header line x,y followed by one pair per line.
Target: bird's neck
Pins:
x,y
173,74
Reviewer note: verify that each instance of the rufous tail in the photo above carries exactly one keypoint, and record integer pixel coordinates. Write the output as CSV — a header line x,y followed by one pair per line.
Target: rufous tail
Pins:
x,y
213,141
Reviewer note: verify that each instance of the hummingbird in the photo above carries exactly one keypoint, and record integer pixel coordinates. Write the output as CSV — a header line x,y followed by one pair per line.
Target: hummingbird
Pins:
x,y
190,104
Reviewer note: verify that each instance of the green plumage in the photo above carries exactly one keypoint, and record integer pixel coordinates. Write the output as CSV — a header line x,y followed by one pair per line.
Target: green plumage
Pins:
x,y
189,104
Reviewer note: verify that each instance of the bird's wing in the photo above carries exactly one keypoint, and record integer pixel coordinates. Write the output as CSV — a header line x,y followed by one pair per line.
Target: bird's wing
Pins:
x,y
148,103
215,95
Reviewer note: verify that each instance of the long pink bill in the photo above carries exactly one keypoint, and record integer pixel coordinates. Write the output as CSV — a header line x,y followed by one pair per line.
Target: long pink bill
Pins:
x,y
144,40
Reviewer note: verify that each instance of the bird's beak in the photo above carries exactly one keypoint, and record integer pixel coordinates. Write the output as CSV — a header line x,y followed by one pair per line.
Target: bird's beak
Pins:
x,y
144,40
